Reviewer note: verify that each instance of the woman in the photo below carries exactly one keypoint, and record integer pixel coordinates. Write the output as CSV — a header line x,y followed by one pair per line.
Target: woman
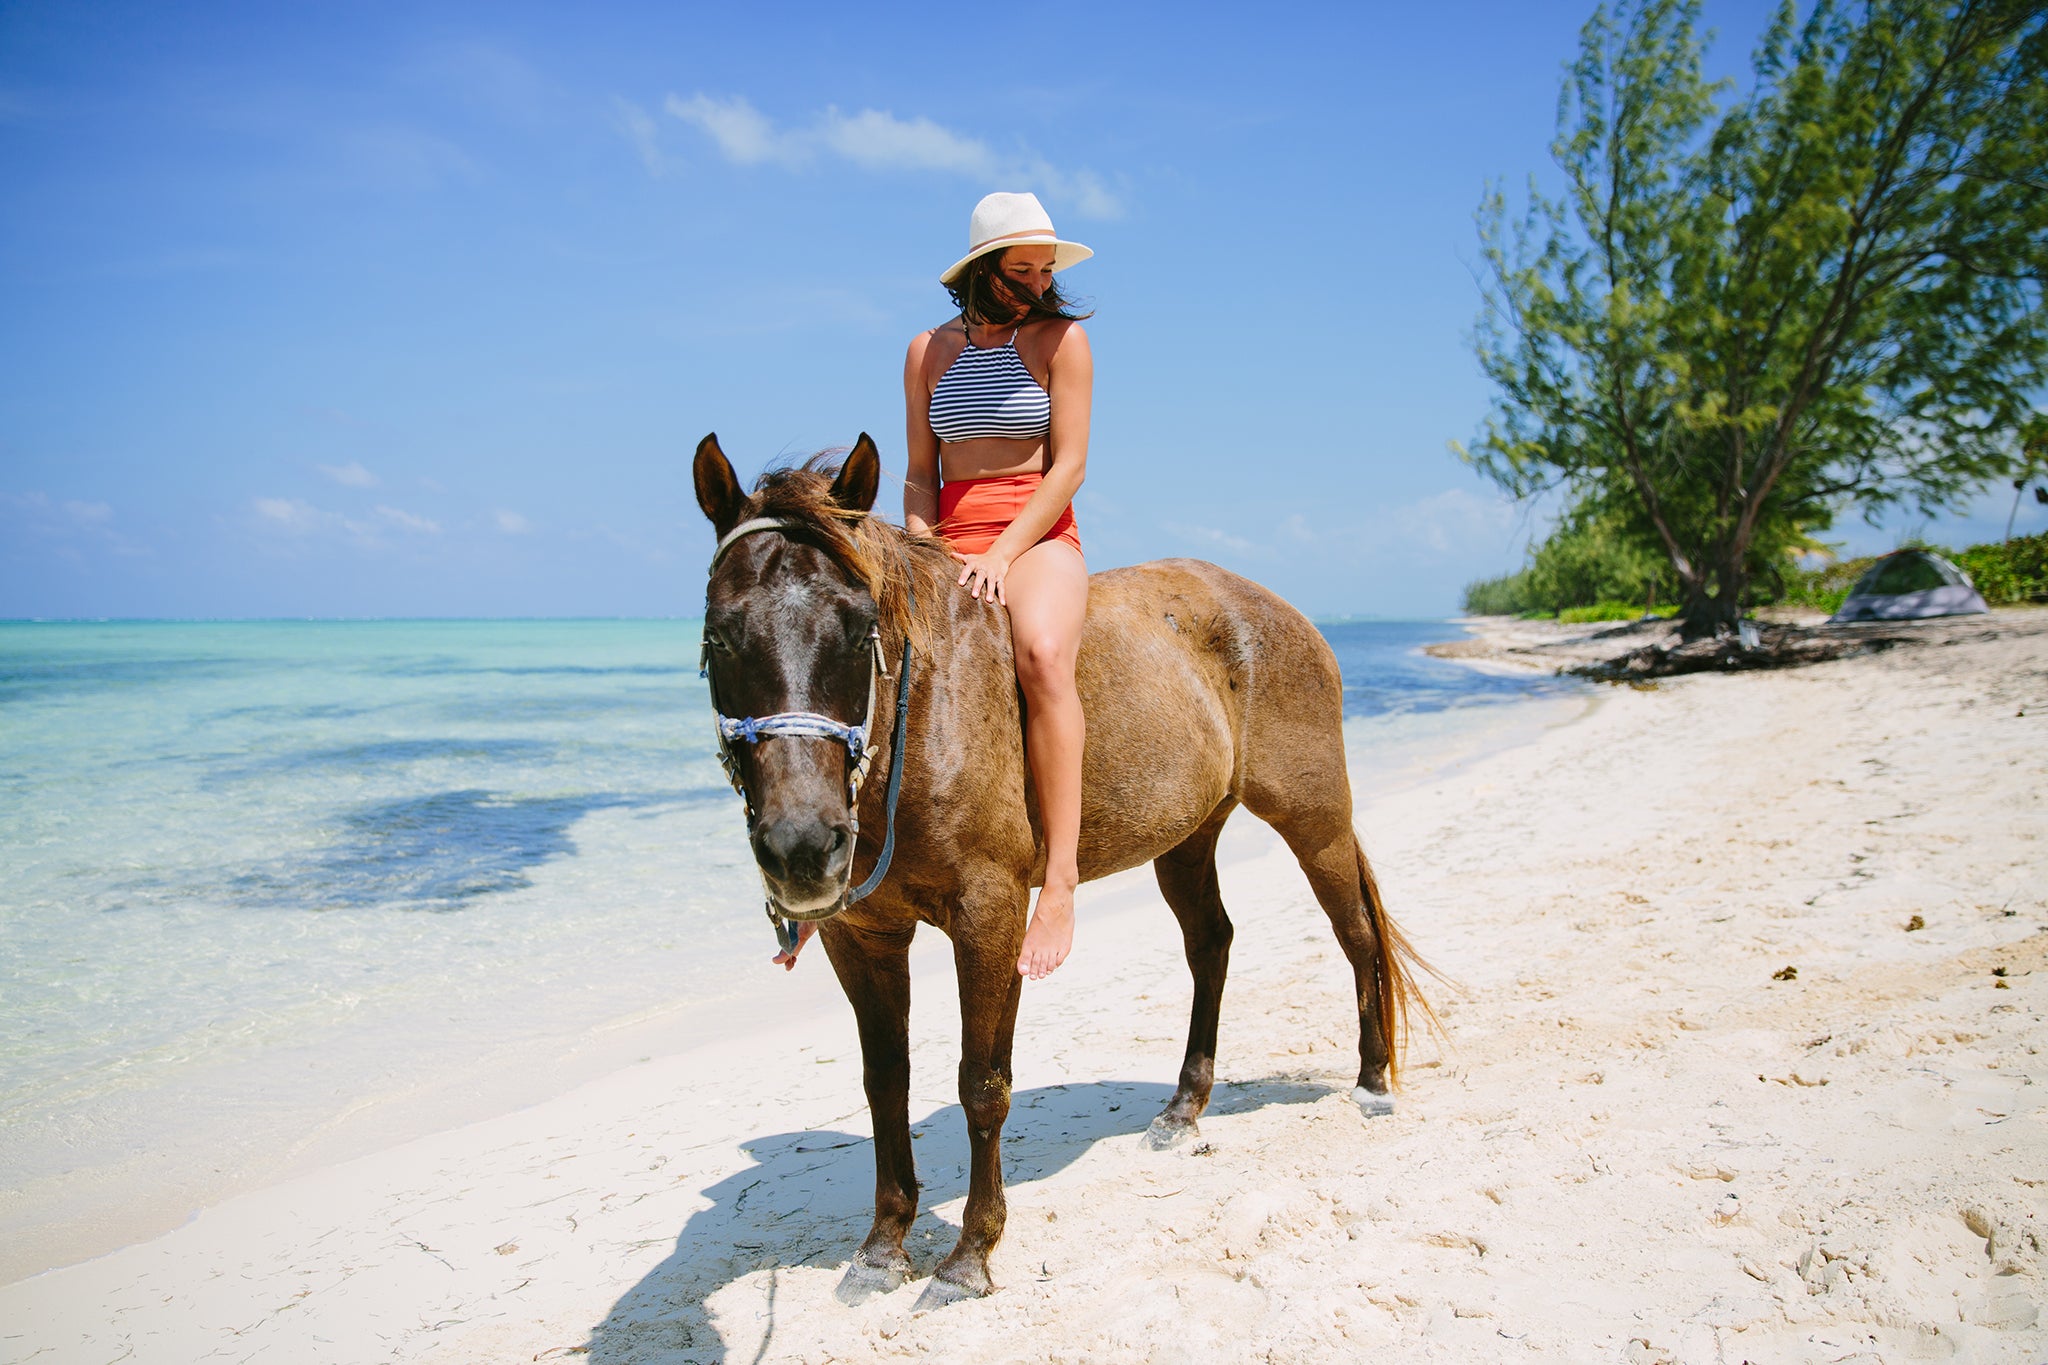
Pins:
x,y
997,409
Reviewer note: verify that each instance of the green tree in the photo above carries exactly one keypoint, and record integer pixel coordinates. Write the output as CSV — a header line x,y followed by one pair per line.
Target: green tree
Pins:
x,y
1735,323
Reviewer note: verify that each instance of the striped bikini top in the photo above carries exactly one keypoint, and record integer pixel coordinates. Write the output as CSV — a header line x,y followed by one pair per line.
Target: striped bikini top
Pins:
x,y
987,391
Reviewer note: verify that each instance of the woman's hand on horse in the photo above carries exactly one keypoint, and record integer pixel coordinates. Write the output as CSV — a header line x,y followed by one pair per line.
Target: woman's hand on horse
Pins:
x,y
982,575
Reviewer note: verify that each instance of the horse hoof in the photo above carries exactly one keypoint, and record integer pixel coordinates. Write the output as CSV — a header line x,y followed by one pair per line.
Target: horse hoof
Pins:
x,y
1371,1105
940,1293
862,1282
1165,1134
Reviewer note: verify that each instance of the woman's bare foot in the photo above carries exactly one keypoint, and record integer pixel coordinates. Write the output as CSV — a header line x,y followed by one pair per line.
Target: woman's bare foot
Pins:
x,y
1050,935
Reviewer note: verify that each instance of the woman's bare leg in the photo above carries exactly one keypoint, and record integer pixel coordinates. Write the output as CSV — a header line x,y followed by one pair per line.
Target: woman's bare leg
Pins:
x,y
1047,588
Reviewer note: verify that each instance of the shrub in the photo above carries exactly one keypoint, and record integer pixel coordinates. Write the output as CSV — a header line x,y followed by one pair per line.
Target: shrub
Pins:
x,y
1825,587
1609,611
2008,571
2005,572
1591,558
1586,571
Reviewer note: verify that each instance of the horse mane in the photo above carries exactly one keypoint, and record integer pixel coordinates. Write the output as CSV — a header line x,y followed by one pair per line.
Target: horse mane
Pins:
x,y
887,559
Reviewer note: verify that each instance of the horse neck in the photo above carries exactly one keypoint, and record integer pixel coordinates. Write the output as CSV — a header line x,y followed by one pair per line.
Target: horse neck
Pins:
x,y
924,572
933,576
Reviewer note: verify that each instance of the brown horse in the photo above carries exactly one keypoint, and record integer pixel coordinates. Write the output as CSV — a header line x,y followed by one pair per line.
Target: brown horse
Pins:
x,y
1203,691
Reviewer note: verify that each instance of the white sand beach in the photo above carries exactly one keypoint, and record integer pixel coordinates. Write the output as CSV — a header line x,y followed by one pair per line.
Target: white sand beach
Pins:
x,y
1742,1065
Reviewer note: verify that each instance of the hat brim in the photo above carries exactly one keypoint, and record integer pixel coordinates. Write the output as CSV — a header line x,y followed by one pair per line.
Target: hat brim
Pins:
x,y
1065,253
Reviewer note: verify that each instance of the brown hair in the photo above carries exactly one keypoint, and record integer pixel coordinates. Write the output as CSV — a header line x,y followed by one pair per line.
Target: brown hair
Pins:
x,y
984,295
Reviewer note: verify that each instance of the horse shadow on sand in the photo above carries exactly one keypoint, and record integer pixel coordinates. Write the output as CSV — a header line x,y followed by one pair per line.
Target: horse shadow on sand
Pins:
x,y
808,1198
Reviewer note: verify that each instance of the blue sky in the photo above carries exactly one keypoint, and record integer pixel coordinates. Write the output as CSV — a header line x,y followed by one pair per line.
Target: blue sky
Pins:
x,y
381,310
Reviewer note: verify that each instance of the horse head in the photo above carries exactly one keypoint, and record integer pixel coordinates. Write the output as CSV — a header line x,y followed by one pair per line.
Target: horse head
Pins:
x,y
793,654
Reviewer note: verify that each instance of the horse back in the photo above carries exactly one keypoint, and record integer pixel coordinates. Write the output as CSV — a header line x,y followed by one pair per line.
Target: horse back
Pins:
x,y
1198,685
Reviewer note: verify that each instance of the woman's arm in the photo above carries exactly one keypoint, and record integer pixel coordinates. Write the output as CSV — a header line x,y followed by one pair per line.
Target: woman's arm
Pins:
x,y
1072,390
921,477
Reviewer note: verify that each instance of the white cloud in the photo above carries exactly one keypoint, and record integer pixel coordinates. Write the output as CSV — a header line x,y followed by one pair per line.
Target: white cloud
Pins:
x,y
1085,190
289,513
741,131
298,518
640,130
72,512
876,139
350,475
67,526
511,523
1092,198
398,516
881,141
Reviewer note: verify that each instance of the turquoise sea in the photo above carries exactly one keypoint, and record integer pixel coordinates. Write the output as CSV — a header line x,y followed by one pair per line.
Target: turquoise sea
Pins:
x,y
259,880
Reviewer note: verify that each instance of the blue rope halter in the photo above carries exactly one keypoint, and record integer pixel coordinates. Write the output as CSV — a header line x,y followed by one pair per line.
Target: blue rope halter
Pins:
x,y
796,724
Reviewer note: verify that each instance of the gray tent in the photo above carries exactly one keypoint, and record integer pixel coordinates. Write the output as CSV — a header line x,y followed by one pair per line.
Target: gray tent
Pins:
x,y
1907,584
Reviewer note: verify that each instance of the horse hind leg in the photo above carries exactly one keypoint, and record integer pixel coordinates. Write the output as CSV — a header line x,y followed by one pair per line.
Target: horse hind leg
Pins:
x,y
1341,877
1187,879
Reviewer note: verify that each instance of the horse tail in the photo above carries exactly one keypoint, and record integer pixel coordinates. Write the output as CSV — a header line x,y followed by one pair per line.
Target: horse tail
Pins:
x,y
1394,973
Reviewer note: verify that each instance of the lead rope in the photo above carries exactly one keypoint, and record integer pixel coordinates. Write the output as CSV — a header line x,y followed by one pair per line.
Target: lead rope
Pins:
x,y
895,787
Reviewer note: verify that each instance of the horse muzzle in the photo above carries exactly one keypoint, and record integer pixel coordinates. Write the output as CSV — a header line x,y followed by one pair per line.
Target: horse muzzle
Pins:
x,y
807,863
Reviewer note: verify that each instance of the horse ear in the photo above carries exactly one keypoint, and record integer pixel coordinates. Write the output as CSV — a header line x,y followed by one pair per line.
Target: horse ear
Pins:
x,y
718,488
860,477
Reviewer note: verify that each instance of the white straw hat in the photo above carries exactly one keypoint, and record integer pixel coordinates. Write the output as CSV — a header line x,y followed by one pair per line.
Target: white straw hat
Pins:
x,y
1003,220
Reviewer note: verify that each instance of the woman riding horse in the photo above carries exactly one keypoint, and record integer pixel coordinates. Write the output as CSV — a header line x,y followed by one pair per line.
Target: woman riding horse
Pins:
x,y
996,410
996,404
809,595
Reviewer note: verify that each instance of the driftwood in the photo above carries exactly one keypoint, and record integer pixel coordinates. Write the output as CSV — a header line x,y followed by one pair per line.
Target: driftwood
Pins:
x,y
1776,647
1642,651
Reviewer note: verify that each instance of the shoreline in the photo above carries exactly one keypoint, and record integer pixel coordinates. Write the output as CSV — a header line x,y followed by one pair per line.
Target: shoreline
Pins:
x,y
1635,1142
61,1221
69,1218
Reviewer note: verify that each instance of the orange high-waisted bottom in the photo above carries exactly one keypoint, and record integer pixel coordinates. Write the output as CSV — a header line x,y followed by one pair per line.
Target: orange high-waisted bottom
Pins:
x,y
973,512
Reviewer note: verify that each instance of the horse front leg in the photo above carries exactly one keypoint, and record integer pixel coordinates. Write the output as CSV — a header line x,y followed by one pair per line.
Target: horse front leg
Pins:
x,y
874,971
990,989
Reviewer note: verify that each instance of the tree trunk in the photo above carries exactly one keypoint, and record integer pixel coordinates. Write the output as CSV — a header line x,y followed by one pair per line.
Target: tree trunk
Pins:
x,y
1707,614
